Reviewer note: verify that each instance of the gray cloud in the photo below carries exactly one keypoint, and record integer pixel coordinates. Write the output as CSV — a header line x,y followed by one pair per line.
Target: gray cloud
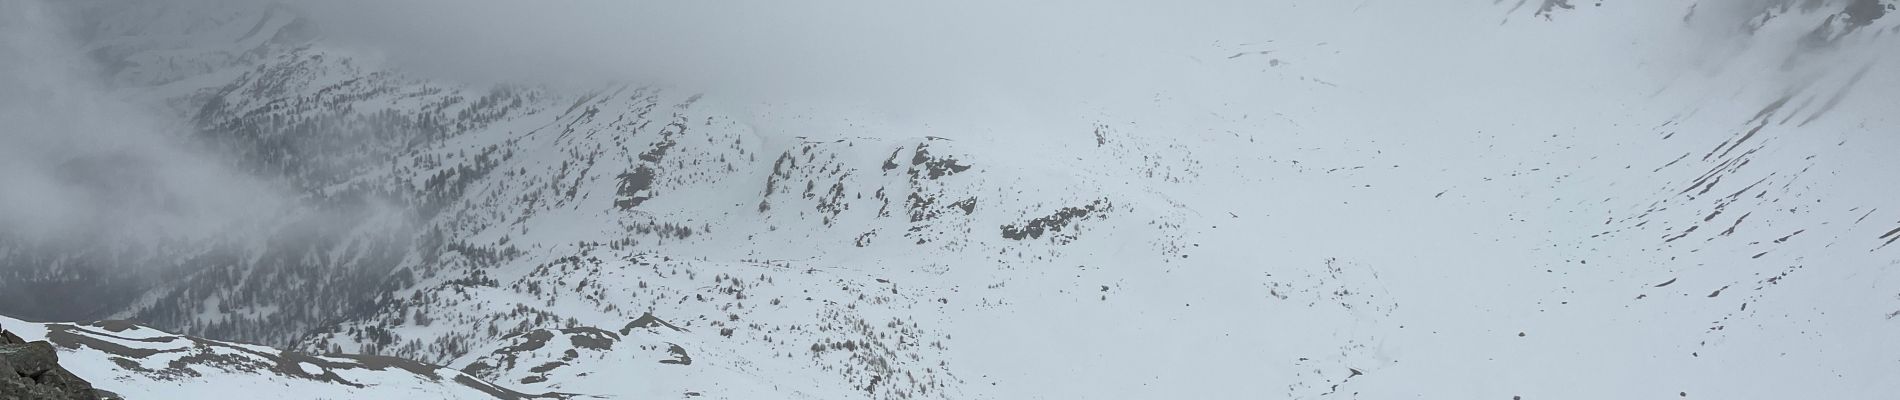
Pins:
x,y
907,57
81,161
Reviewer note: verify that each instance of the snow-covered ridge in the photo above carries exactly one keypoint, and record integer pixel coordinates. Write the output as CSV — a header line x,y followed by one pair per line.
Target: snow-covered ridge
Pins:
x,y
596,361
139,362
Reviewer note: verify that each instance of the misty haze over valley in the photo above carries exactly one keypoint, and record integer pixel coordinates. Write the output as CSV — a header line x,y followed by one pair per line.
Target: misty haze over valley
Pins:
x,y
845,199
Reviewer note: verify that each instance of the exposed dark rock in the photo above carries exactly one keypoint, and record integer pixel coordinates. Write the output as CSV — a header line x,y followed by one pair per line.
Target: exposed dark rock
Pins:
x,y
30,370
925,166
591,338
1863,12
679,355
1060,220
1553,5
647,320
967,205
891,163
632,185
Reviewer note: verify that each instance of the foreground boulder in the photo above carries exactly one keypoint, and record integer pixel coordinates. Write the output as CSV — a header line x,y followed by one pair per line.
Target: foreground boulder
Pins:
x,y
30,370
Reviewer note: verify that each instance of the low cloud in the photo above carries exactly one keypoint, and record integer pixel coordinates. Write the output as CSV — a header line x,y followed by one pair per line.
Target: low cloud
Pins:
x,y
80,163
900,57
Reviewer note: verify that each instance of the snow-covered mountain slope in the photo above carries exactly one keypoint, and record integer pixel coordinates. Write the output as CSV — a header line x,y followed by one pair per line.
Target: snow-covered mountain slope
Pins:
x,y
139,362
598,361
1346,209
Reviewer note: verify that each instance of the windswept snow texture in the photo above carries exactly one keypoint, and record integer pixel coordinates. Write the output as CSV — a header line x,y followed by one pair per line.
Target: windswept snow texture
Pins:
x,y
1536,199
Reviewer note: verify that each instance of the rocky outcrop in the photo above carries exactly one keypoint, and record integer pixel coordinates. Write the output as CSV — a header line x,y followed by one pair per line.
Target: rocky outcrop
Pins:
x,y
30,370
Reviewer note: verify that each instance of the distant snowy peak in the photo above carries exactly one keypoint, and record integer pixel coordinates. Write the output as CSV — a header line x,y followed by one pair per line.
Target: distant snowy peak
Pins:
x,y
140,363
